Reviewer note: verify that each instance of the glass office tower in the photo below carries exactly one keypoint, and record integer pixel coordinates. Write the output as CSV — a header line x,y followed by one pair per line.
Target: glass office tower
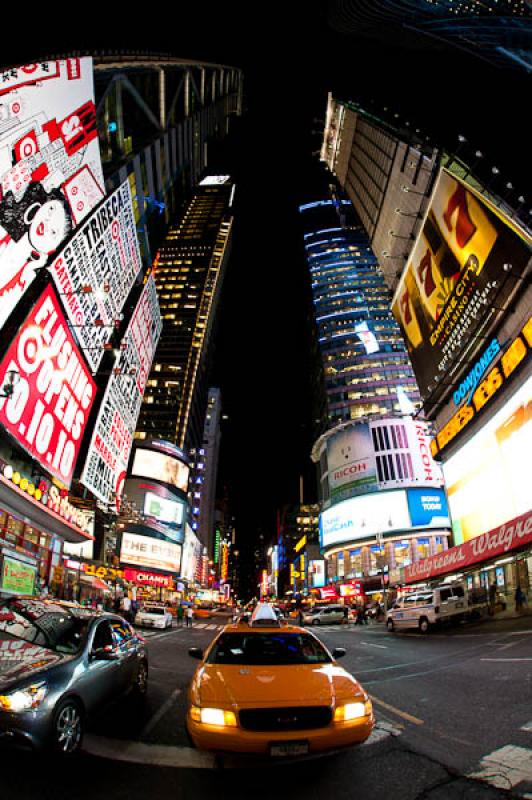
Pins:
x,y
366,369
189,273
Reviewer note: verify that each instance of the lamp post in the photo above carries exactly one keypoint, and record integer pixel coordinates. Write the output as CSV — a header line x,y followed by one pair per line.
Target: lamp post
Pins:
x,y
379,538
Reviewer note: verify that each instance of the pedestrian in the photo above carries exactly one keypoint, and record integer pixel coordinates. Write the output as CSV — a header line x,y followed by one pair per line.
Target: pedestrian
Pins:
x,y
520,599
346,616
188,616
300,618
492,595
179,614
126,607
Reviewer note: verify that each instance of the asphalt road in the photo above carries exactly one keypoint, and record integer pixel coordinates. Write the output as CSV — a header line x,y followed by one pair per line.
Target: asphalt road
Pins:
x,y
454,712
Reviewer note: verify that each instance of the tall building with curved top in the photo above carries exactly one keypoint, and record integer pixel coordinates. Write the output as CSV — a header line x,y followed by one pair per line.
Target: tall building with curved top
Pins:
x,y
366,369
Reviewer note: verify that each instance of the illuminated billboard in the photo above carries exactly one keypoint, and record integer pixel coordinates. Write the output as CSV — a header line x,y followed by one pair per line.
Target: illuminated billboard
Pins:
x,y
488,478
163,509
382,454
104,471
364,517
160,467
96,271
316,573
428,508
457,272
151,553
53,393
50,170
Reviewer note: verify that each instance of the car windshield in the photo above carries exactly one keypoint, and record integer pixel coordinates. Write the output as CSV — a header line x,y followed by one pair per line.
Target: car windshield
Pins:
x,y
51,626
153,610
268,649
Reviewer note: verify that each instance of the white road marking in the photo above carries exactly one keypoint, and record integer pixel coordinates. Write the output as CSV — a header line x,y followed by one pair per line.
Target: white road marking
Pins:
x,y
527,727
506,659
371,644
168,633
160,713
506,768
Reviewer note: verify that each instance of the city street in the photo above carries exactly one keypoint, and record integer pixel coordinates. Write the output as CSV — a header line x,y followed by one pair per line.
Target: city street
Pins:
x,y
453,710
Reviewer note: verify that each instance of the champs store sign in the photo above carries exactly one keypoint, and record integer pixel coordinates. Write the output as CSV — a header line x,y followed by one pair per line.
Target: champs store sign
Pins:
x,y
510,361
53,391
457,271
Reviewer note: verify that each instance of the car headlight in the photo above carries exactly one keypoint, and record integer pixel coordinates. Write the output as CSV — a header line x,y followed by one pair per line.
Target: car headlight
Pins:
x,y
351,711
213,716
23,699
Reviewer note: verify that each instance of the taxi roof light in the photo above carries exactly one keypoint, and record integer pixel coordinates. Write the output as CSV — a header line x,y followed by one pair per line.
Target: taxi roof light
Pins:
x,y
264,615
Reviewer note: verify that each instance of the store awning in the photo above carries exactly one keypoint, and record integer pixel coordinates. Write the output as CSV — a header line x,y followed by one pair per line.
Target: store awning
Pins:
x,y
95,583
34,513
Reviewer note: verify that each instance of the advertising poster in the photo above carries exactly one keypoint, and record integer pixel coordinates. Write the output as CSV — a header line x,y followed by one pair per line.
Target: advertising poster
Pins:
x,y
361,517
146,551
17,577
163,509
50,170
53,393
454,276
316,573
104,471
103,256
351,460
160,467
425,469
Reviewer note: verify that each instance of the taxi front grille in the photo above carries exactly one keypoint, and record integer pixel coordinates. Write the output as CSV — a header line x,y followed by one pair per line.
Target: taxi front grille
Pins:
x,y
285,719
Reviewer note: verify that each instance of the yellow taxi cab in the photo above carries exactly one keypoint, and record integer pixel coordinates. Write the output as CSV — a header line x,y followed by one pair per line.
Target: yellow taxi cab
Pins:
x,y
273,688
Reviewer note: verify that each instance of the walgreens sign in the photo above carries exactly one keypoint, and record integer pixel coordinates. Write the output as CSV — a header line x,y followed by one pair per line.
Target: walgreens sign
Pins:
x,y
513,534
53,393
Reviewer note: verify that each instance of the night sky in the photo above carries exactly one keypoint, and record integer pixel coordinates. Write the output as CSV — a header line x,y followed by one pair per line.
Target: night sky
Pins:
x,y
290,63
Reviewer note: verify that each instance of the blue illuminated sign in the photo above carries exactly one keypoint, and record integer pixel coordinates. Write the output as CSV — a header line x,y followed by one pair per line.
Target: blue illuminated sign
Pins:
x,y
428,507
470,383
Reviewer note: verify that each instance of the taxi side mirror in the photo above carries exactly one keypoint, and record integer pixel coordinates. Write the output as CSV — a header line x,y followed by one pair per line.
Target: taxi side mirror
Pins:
x,y
338,652
195,652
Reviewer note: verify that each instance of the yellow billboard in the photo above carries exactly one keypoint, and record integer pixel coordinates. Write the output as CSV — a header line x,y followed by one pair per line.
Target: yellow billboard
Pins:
x,y
463,263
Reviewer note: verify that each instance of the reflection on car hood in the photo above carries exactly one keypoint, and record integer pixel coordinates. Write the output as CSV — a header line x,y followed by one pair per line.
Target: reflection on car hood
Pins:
x,y
243,685
20,659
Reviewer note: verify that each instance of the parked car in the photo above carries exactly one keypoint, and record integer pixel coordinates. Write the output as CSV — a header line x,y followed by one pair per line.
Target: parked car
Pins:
x,y
323,615
154,616
270,688
58,665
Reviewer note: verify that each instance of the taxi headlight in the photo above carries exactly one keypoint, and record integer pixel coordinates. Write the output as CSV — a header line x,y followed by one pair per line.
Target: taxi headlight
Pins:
x,y
350,711
214,716
23,699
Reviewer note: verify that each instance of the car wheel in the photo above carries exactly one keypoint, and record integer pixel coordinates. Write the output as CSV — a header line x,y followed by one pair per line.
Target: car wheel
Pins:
x,y
390,625
141,682
315,622
68,727
424,625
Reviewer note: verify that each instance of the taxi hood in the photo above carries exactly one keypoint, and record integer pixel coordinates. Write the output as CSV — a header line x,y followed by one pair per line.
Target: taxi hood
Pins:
x,y
262,686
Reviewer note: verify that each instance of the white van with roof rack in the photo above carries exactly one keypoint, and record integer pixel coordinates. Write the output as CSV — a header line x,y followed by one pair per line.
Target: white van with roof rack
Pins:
x,y
428,607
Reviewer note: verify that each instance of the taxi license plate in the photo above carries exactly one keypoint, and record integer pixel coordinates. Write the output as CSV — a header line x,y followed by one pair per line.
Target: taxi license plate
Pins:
x,y
289,748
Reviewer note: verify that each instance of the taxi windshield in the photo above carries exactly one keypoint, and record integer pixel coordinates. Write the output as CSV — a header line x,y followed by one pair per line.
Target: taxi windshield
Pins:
x,y
268,649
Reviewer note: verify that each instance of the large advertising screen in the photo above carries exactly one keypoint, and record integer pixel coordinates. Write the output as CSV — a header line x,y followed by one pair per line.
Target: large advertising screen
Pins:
x,y
160,467
104,471
191,554
53,391
17,576
316,573
363,517
163,509
145,551
96,271
50,170
455,275
488,479
428,508
351,460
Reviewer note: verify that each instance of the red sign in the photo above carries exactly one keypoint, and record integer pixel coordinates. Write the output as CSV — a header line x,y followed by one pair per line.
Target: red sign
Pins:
x,y
513,534
328,593
53,393
147,578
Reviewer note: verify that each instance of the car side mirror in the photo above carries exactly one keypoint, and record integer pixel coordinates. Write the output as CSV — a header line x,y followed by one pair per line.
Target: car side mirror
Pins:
x,y
195,652
107,653
338,652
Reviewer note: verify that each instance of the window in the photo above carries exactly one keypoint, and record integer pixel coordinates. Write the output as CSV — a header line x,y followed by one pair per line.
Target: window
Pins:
x,y
103,636
268,648
458,591
445,595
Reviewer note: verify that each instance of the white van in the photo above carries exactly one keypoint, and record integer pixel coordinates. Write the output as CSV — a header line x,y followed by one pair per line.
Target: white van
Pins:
x,y
323,615
429,607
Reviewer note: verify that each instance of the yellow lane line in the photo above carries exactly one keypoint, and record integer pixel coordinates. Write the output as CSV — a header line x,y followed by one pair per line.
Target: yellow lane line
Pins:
x,y
397,711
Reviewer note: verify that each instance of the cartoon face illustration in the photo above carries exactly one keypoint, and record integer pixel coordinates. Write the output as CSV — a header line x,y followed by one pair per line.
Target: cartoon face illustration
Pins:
x,y
48,227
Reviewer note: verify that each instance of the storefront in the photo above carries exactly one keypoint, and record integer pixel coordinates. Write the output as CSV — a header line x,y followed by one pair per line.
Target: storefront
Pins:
x,y
502,556
34,524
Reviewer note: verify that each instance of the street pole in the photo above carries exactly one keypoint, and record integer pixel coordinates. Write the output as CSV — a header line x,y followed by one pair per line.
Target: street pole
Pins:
x,y
379,538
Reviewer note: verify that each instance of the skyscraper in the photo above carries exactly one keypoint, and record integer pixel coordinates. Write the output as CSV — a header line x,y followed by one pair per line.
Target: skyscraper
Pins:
x,y
189,272
365,364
